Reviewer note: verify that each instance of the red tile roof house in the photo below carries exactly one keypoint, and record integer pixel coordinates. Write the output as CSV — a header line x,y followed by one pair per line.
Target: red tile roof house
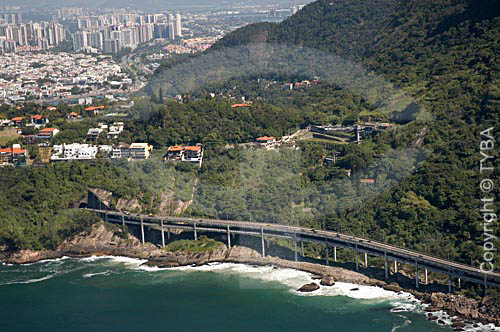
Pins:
x,y
193,153
93,110
18,121
367,181
47,133
72,116
266,142
10,155
174,153
39,119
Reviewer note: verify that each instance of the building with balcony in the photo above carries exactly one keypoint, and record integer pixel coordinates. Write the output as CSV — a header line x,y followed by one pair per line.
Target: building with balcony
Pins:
x,y
140,151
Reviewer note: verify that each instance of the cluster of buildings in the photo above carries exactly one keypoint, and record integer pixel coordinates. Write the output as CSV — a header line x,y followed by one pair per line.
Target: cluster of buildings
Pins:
x,y
36,120
16,35
113,32
192,154
191,45
54,76
113,131
77,151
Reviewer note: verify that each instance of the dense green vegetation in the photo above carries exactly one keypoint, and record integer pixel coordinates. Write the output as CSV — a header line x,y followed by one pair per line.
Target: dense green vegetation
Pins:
x,y
203,244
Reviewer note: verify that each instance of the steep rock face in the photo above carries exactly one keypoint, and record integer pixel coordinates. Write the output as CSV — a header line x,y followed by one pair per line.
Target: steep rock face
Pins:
x,y
166,203
103,241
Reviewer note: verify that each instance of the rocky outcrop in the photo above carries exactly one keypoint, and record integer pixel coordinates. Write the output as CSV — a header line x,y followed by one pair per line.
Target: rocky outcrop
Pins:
x,y
308,288
394,287
104,241
174,259
101,240
28,256
465,307
327,281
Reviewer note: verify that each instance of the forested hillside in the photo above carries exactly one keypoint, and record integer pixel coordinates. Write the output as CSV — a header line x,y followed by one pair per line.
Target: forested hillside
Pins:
x,y
445,55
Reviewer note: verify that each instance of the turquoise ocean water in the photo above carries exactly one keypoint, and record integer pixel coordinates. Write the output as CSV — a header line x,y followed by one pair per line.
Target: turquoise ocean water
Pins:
x,y
116,294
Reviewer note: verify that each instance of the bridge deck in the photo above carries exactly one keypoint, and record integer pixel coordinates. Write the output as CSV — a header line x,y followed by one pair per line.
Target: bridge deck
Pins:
x,y
420,260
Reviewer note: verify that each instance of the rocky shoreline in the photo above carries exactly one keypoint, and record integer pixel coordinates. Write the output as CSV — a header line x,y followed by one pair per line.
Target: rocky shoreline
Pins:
x,y
103,241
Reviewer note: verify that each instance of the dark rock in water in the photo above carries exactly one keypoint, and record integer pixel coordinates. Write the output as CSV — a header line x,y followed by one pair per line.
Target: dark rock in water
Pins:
x,y
394,287
458,324
432,317
308,288
431,308
327,281
441,322
354,289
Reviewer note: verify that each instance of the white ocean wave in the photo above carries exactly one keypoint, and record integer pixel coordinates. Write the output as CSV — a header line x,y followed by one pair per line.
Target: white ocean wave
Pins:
x,y
30,281
405,323
90,275
119,259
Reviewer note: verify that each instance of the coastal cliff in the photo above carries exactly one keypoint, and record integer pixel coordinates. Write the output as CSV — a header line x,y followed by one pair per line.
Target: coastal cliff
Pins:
x,y
104,239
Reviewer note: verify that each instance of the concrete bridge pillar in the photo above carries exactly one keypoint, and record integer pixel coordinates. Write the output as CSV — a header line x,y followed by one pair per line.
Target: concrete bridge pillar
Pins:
x,y
459,283
449,283
228,237
395,266
302,247
326,255
335,254
295,243
195,232
357,263
123,220
426,277
263,243
168,233
162,235
416,274
366,259
385,266
142,230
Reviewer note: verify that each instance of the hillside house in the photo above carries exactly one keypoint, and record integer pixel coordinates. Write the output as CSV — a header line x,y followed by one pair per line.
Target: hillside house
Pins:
x,y
266,142
47,134
140,151
38,120
73,151
93,110
115,130
18,121
14,155
121,151
193,154
72,116
94,133
175,153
